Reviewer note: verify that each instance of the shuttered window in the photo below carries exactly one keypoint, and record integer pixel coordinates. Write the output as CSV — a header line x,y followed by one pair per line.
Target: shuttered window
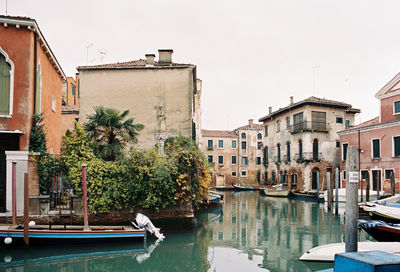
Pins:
x,y
318,119
396,107
376,148
5,82
396,146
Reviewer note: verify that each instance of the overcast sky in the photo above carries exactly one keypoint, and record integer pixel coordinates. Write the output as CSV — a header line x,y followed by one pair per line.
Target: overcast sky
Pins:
x,y
250,54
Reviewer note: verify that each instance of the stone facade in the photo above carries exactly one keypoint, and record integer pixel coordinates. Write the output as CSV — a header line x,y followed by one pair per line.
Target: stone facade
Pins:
x,y
379,142
301,143
235,156
163,95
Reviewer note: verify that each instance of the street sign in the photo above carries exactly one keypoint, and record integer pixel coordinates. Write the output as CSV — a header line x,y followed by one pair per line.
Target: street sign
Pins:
x,y
353,177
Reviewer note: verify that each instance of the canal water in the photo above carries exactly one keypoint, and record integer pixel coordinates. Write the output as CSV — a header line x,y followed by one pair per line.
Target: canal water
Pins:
x,y
249,232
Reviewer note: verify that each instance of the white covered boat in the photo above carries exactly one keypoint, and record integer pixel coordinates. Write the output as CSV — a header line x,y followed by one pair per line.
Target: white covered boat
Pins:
x,y
277,190
342,195
326,253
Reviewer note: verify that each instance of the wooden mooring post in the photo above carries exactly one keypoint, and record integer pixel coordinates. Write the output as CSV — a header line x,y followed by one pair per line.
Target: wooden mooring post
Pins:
x,y
337,191
329,188
26,210
352,199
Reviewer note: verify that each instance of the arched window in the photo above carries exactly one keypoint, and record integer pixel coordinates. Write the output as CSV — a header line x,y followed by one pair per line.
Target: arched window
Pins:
x,y
315,149
243,135
6,84
300,150
259,136
288,151
278,146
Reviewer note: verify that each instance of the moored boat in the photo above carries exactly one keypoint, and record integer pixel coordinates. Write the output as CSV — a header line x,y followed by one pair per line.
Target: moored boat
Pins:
x,y
277,191
244,188
380,230
312,196
388,212
215,197
326,253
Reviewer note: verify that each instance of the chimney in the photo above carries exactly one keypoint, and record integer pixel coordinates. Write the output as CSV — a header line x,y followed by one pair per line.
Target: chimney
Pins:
x,y
150,59
269,110
165,56
291,100
250,123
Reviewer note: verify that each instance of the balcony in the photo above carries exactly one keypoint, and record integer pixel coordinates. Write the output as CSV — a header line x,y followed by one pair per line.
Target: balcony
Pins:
x,y
309,126
308,156
210,148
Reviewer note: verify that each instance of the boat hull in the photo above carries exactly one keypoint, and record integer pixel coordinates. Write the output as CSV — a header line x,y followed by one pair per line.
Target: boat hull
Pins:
x,y
381,231
383,212
244,188
310,196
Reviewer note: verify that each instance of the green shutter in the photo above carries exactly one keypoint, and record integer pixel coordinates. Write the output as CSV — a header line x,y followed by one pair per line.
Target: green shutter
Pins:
x,y
376,149
5,69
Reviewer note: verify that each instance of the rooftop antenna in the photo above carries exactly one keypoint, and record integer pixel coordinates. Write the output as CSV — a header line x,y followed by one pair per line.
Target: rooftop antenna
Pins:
x,y
87,53
314,72
103,54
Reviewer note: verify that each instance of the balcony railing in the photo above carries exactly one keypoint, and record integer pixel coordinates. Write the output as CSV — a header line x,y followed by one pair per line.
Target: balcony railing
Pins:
x,y
310,126
308,156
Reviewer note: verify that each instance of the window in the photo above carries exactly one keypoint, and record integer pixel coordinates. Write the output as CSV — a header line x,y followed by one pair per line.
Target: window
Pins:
x,y
210,158
259,145
6,84
318,120
210,144
396,107
259,136
243,135
288,122
344,174
278,125
388,173
258,160
266,130
273,177
344,151
234,143
265,154
300,149
339,120
72,89
288,151
376,148
337,144
220,143
396,146
233,173
315,149
53,104
279,152
243,173
265,177
245,161
294,178
244,145
220,159
233,159
347,123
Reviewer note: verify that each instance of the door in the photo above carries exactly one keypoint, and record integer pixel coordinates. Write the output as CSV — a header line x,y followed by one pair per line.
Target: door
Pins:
x,y
314,179
8,142
220,181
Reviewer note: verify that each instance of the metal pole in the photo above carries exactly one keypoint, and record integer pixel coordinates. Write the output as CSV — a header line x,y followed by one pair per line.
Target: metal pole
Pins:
x,y
351,199
26,209
337,191
14,192
84,196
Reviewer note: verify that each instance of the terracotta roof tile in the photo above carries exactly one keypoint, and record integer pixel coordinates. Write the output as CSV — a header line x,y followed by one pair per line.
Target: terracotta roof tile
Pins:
x,y
218,133
141,63
255,126
368,123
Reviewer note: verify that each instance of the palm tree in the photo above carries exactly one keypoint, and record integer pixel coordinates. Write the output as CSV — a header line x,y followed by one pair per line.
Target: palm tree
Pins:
x,y
110,133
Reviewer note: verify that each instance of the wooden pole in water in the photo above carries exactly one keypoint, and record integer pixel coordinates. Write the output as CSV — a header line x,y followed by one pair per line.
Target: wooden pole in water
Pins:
x,y
318,186
367,188
26,209
392,184
14,192
337,191
84,198
329,187
351,199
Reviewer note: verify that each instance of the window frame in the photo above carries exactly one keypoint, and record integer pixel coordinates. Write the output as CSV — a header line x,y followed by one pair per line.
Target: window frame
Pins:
x,y
344,158
266,130
219,157
234,163
245,173
244,160
212,158
222,144
243,134
339,120
259,145
288,122
258,160
372,148
259,136
243,145
234,141
394,108
278,125
384,173
233,174
208,143
393,147
11,98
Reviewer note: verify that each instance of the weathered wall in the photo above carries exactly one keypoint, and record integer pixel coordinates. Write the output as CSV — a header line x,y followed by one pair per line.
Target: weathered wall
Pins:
x,y
140,91
18,44
387,108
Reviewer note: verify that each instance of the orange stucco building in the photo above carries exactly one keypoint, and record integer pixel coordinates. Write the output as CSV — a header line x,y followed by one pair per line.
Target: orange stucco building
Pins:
x,y
31,81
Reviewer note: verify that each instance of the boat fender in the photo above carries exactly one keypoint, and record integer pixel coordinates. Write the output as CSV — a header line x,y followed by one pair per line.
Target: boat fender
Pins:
x,y
7,258
32,223
7,240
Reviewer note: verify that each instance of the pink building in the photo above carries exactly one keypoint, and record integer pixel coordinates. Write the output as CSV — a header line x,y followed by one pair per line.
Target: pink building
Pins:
x,y
378,140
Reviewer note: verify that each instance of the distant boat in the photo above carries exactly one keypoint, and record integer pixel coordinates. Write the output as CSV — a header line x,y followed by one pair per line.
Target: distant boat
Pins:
x,y
244,188
380,230
312,196
71,234
326,253
342,195
277,191
388,212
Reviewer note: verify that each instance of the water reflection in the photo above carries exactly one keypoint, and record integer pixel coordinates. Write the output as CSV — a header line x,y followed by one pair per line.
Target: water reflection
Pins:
x,y
248,233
